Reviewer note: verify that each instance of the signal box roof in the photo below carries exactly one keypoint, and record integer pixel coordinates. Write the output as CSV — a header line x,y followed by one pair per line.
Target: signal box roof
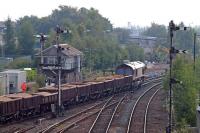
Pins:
x,y
66,49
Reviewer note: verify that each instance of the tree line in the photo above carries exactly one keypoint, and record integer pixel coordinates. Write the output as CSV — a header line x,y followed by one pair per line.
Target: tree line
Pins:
x,y
91,33
185,92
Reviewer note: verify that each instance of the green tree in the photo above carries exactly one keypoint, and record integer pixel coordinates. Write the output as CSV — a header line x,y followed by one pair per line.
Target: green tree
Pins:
x,y
156,30
19,63
122,35
40,80
9,38
26,38
89,30
135,52
31,75
184,95
184,39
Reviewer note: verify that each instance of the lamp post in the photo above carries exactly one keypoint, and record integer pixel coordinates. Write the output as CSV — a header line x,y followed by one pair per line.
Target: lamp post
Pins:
x,y
172,28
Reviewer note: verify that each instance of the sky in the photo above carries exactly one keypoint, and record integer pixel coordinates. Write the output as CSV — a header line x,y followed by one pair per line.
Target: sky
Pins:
x,y
119,12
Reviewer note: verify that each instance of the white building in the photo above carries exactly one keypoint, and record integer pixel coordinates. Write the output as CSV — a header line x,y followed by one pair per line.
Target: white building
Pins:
x,y
11,81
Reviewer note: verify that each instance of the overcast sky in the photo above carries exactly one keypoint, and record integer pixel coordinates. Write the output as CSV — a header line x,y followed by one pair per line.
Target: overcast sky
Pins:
x,y
119,12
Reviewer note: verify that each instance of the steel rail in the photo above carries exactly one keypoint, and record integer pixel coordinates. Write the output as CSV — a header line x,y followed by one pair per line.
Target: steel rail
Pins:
x,y
147,109
107,129
99,114
136,103
93,124
79,120
49,128
24,130
151,81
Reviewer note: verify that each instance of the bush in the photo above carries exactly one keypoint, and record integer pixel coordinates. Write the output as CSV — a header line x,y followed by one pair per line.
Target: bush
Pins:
x,y
19,63
40,80
31,75
184,95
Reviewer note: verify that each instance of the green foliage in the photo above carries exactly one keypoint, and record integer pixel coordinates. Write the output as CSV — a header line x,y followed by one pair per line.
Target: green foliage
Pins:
x,y
40,80
185,94
9,38
26,38
159,31
184,39
89,30
19,63
122,35
156,30
31,75
135,52
182,126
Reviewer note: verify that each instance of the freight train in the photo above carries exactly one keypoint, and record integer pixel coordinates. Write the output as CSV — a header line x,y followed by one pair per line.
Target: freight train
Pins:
x,y
22,105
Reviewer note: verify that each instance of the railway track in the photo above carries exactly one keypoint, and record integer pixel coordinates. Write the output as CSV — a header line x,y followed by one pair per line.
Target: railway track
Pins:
x,y
104,118
71,121
146,82
154,116
113,119
74,119
137,121
123,114
108,118
147,110
24,130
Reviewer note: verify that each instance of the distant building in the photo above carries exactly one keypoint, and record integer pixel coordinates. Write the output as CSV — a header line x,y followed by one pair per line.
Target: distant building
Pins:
x,y
70,63
146,42
11,81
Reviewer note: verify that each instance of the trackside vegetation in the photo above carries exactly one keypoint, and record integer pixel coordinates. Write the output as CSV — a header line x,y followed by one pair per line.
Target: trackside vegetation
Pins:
x,y
185,93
